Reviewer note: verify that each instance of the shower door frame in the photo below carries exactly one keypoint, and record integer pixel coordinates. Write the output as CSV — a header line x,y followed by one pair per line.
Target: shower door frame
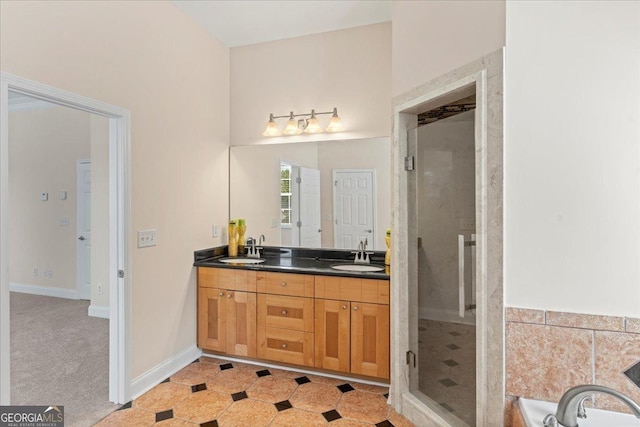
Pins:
x,y
485,78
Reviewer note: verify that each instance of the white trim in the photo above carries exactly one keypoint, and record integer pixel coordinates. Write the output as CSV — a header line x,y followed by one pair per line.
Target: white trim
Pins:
x,y
119,220
164,370
98,311
449,316
46,291
294,369
485,76
28,104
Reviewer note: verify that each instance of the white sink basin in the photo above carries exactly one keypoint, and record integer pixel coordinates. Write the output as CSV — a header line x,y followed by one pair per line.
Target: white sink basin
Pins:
x,y
361,268
242,260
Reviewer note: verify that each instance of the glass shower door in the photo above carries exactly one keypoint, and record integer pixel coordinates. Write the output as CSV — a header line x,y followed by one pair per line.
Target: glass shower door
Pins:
x,y
444,216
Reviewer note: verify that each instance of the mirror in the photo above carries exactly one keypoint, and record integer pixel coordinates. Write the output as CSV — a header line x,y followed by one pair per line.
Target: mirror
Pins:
x,y
343,193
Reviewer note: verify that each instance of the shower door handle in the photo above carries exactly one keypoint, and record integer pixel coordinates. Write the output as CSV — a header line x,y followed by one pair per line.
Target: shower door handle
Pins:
x,y
461,275
462,305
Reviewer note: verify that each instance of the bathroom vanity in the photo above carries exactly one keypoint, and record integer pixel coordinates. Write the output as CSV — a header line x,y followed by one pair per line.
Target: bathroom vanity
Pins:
x,y
294,309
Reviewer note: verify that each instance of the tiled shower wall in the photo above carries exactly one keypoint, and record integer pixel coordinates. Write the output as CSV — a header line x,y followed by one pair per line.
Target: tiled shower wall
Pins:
x,y
548,351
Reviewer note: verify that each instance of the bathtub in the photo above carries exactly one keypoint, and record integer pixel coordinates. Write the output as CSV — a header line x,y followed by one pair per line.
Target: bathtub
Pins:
x,y
534,412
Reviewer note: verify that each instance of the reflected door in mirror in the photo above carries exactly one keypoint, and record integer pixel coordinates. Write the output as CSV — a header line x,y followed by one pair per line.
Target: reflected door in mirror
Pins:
x,y
354,205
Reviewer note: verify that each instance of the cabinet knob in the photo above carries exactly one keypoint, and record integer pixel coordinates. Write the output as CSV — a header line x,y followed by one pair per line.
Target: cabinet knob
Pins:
x,y
229,295
283,284
344,307
355,308
221,294
284,346
284,312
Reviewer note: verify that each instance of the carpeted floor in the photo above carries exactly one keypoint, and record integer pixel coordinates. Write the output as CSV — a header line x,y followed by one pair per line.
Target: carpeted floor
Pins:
x,y
60,356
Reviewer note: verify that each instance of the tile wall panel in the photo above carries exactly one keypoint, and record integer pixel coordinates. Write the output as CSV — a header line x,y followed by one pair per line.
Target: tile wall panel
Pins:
x,y
548,352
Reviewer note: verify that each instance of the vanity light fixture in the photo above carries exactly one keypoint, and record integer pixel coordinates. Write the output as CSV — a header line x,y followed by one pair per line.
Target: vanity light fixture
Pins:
x,y
309,125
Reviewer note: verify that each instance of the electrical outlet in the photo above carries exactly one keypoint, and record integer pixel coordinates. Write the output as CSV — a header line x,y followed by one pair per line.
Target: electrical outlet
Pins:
x,y
146,238
99,288
214,231
35,271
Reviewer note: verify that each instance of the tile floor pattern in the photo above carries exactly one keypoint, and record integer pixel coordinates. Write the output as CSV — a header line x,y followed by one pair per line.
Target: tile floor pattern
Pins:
x,y
447,366
213,392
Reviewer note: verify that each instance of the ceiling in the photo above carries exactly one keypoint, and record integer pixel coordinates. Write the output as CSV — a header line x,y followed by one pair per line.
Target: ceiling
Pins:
x,y
244,22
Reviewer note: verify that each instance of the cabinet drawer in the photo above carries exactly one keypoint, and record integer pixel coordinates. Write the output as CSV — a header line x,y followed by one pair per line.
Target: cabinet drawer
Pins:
x,y
299,285
286,346
208,277
352,289
285,312
237,280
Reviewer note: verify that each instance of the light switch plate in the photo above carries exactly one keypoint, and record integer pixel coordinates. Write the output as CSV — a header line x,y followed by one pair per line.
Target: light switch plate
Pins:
x,y
147,238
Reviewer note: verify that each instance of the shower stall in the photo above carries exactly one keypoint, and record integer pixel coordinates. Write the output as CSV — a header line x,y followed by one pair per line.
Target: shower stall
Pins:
x,y
445,216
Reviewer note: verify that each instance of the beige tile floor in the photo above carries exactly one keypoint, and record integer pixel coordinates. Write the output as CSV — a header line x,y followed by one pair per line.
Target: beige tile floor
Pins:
x,y
447,366
214,392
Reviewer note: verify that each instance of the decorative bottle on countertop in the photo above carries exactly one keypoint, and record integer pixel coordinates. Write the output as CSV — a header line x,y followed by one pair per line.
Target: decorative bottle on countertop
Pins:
x,y
242,228
387,255
233,238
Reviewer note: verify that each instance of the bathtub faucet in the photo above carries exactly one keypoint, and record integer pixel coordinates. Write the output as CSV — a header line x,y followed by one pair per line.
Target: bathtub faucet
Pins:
x,y
571,405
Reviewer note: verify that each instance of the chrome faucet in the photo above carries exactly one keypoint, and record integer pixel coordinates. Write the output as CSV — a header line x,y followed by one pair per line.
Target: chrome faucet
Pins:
x,y
571,405
362,255
254,251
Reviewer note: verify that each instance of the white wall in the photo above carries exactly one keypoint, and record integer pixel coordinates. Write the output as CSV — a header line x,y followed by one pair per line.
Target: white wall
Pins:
x,y
348,69
150,58
433,37
99,133
44,146
572,203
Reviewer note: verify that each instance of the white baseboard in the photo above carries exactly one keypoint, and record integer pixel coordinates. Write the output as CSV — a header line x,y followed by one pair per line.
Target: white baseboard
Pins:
x,y
46,291
99,311
450,316
159,373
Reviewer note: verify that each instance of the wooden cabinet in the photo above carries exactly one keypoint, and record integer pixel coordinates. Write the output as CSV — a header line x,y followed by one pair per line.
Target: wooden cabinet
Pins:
x,y
352,336
285,322
227,317
333,335
370,339
328,322
212,334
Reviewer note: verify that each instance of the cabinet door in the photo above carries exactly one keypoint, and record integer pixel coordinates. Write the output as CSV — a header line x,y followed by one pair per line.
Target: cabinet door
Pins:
x,y
333,335
241,323
370,339
211,319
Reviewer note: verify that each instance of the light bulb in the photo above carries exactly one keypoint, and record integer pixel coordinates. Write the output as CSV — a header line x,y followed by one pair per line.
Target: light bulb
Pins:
x,y
292,126
335,124
313,126
272,128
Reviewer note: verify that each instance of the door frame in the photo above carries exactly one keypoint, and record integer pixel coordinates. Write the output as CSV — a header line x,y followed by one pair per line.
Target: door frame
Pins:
x,y
80,266
374,201
485,78
119,228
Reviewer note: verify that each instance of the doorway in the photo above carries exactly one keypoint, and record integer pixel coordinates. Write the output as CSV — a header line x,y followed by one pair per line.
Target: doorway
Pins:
x,y
118,220
483,79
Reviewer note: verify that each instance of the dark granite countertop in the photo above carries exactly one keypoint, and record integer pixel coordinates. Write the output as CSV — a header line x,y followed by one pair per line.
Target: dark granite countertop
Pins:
x,y
295,260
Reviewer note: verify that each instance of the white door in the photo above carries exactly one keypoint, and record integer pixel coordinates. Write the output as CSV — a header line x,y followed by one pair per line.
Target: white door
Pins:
x,y
354,207
310,231
83,276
